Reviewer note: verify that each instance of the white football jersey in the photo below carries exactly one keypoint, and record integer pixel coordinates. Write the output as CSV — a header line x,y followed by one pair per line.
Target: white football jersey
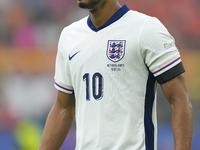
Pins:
x,y
113,71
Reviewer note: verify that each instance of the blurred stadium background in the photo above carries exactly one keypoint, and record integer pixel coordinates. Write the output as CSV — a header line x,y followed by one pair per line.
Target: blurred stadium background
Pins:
x,y
29,33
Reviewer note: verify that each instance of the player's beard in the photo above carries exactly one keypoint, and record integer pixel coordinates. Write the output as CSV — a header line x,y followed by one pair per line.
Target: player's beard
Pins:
x,y
88,5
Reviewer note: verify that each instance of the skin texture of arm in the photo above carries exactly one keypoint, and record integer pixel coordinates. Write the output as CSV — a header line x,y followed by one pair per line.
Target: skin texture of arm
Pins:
x,y
59,122
176,93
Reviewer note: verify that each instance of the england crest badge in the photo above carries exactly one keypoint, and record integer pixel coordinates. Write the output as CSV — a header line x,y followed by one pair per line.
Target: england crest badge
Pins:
x,y
116,50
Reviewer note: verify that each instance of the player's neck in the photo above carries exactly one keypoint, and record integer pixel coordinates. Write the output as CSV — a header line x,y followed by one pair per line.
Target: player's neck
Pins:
x,y
102,14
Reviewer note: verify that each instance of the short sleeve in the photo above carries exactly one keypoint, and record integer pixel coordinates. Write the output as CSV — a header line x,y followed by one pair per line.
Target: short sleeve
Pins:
x,y
159,51
62,73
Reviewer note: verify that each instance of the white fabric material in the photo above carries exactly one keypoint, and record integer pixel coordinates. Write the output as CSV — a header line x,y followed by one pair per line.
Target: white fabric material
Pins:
x,y
110,96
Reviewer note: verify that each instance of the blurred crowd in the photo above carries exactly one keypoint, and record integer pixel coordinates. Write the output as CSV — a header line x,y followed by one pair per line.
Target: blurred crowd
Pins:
x,y
38,23
26,97
28,23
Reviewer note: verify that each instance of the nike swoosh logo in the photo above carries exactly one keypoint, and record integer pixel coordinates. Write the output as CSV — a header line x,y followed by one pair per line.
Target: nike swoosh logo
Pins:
x,y
70,58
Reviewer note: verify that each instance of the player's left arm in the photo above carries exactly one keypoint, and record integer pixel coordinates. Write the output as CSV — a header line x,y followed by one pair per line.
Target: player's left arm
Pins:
x,y
177,94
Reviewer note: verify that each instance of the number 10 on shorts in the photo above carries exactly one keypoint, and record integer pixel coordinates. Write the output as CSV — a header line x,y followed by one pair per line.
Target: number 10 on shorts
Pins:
x,y
97,86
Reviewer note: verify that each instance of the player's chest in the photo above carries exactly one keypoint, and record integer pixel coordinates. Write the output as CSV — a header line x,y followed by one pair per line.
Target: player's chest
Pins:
x,y
111,47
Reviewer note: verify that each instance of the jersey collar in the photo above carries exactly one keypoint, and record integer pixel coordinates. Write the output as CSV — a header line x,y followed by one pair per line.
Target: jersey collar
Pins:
x,y
123,10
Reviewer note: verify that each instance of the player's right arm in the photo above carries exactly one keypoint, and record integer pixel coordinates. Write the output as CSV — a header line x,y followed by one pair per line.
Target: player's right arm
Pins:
x,y
59,122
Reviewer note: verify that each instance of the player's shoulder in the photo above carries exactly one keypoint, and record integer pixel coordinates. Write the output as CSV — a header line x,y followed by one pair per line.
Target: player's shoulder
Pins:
x,y
139,19
139,16
144,21
76,26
